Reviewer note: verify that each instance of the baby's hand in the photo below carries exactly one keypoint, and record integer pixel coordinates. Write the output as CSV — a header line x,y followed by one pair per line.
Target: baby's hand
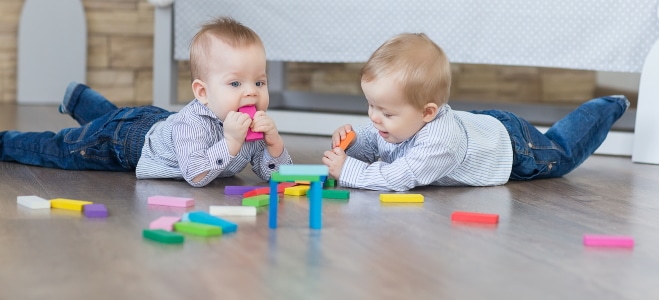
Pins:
x,y
235,130
340,134
263,123
334,160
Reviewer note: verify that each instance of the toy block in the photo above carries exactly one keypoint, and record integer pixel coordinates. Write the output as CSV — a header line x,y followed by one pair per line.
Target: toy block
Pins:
x,y
298,190
462,216
238,189
278,177
163,236
273,197
319,170
170,201
315,205
95,211
345,143
330,182
256,192
68,204
185,217
260,200
217,210
206,218
164,223
197,229
307,182
251,135
608,241
33,202
336,194
401,198
281,187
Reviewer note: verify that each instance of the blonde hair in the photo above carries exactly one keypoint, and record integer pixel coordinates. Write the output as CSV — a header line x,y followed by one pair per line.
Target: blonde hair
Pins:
x,y
422,68
226,29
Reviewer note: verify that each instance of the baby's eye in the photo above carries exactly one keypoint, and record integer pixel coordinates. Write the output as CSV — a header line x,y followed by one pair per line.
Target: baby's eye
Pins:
x,y
387,115
235,84
260,83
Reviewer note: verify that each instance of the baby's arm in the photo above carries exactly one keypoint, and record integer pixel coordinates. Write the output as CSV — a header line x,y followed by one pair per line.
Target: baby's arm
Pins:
x,y
273,141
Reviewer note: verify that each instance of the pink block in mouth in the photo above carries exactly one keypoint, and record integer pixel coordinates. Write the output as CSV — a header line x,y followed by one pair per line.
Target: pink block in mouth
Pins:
x,y
251,135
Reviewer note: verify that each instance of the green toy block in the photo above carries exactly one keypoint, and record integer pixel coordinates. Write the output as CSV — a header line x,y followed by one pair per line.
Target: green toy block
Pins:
x,y
259,200
276,176
163,236
336,194
329,182
197,229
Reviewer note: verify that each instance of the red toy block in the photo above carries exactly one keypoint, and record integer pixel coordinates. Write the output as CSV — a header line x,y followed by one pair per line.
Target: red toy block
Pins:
x,y
463,216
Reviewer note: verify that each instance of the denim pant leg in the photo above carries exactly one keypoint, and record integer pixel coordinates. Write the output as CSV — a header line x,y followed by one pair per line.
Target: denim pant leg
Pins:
x,y
112,142
567,144
84,104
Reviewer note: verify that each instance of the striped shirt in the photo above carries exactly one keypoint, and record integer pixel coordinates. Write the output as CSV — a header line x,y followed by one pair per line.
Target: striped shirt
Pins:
x,y
191,142
455,149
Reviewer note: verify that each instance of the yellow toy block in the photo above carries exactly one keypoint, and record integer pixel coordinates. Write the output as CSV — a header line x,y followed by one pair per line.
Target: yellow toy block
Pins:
x,y
68,204
298,190
401,198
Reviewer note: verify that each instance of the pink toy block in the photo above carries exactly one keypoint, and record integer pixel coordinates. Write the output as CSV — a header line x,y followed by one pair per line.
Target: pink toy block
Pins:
x,y
608,241
164,223
170,201
251,135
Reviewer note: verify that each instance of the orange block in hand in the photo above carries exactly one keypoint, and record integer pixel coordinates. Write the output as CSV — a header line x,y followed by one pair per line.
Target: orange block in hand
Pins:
x,y
345,143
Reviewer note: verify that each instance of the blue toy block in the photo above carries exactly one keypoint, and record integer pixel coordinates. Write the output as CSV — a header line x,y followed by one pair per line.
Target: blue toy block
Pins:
x,y
272,217
206,218
316,170
315,204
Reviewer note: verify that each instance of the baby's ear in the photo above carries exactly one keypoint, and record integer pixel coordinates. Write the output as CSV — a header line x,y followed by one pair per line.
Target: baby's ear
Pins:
x,y
429,112
199,91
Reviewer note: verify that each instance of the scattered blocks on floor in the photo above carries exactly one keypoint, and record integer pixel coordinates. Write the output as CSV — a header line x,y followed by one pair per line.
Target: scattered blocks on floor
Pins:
x,y
33,202
218,210
472,217
197,229
401,198
239,189
68,204
95,211
336,194
621,241
170,201
164,223
163,236
260,200
298,190
206,218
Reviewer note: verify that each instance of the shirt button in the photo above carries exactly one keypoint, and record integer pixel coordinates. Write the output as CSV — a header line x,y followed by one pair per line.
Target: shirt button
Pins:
x,y
219,161
271,166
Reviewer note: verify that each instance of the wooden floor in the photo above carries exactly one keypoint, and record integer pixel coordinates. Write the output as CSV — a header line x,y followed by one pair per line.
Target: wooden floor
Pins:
x,y
365,250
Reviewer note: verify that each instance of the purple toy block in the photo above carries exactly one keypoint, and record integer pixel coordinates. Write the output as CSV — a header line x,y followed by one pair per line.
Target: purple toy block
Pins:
x,y
239,189
95,211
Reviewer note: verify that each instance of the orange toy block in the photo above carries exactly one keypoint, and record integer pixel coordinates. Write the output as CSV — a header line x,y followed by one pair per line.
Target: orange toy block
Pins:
x,y
345,143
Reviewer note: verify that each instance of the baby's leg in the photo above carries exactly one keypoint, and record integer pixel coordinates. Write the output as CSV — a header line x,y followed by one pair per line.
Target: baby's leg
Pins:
x,y
583,130
84,104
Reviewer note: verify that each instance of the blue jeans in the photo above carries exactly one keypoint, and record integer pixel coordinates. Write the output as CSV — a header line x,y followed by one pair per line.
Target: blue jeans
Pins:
x,y
109,138
567,144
